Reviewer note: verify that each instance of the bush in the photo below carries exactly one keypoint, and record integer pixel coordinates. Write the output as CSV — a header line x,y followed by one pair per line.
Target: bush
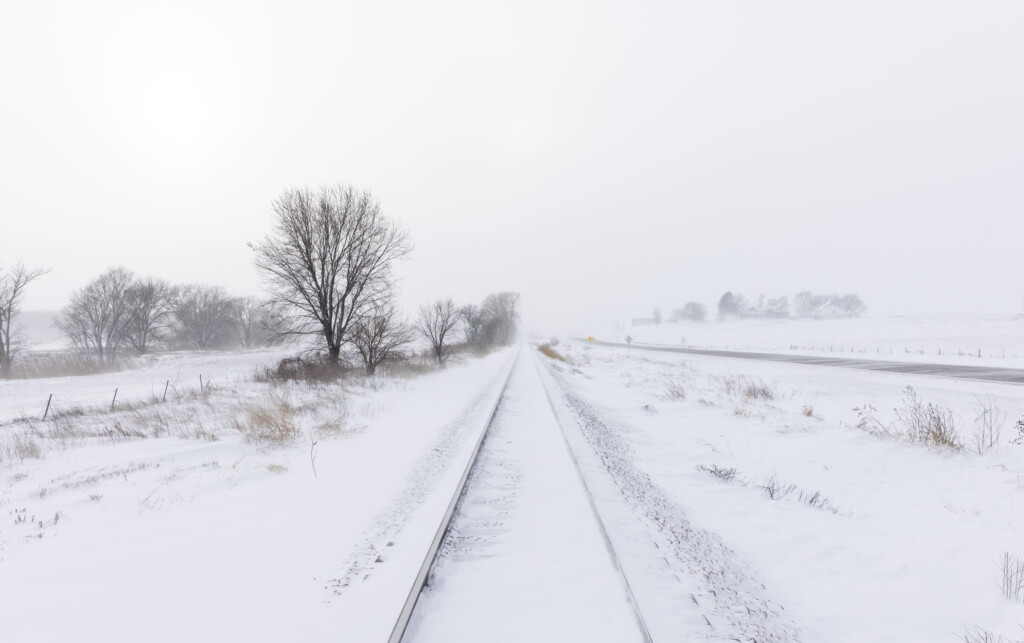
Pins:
x,y
928,423
297,369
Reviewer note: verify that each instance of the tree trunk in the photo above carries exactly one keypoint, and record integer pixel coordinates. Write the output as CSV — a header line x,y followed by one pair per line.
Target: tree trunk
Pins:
x,y
333,356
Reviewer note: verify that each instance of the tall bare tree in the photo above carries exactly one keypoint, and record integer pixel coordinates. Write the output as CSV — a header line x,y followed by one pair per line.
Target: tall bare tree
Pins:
x,y
96,318
204,314
379,335
436,322
328,260
150,304
13,283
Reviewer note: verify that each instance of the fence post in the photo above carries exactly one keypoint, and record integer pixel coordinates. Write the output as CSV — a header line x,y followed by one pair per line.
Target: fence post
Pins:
x,y
200,382
48,400
113,400
166,384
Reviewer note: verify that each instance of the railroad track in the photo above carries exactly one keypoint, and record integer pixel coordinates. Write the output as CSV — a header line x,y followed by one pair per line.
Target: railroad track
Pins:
x,y
553,523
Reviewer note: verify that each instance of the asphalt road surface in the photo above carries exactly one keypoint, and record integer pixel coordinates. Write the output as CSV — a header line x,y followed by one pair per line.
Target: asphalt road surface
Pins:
x,y
989,373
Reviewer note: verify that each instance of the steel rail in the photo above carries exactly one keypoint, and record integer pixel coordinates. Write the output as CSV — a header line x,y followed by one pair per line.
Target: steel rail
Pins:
x,y
409,606
630,595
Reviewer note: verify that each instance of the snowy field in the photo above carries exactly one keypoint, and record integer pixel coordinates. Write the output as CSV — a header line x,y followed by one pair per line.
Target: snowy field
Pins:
x,y
740,500
867,537
249,511
951,339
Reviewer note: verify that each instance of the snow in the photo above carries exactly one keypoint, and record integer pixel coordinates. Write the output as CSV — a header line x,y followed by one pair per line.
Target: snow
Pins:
x,y
909,555
526,560
182,369
944,339
165,539
182,530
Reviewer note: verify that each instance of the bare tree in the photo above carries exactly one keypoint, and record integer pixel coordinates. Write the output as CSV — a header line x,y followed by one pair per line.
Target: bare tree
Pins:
x,y
436,322
379,334
329,260
204,314
501,314
251,319
472,318
13,283
96,318
694,311
150,304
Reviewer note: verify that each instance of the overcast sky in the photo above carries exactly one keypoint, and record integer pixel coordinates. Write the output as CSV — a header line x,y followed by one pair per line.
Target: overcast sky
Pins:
x,y
601,158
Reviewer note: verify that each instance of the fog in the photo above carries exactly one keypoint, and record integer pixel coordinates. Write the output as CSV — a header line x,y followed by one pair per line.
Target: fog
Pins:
x,y
600,159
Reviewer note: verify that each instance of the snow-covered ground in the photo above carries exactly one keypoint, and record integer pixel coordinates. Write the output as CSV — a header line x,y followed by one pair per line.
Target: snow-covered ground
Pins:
x,y
267,512
903,541
179,371
525,560
199,535
951,339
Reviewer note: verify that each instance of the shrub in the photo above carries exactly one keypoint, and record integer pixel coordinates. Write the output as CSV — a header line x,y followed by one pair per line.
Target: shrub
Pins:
x,y
297,369
928,423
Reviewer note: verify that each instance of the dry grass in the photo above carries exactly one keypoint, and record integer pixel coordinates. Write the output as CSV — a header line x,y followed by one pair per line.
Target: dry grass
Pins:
x,y
548,351
725,474
745,388
32,365
917,421
673,391
1011,577
268,424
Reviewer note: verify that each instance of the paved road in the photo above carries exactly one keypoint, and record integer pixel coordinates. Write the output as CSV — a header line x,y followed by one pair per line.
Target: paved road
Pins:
x,y
992,374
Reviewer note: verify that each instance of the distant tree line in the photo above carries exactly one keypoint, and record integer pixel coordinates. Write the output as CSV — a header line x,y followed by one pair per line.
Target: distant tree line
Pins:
x,y
328,263
804,304
119,312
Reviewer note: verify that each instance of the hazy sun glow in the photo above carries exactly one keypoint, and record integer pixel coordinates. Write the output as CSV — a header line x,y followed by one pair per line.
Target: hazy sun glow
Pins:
x,y
175,114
